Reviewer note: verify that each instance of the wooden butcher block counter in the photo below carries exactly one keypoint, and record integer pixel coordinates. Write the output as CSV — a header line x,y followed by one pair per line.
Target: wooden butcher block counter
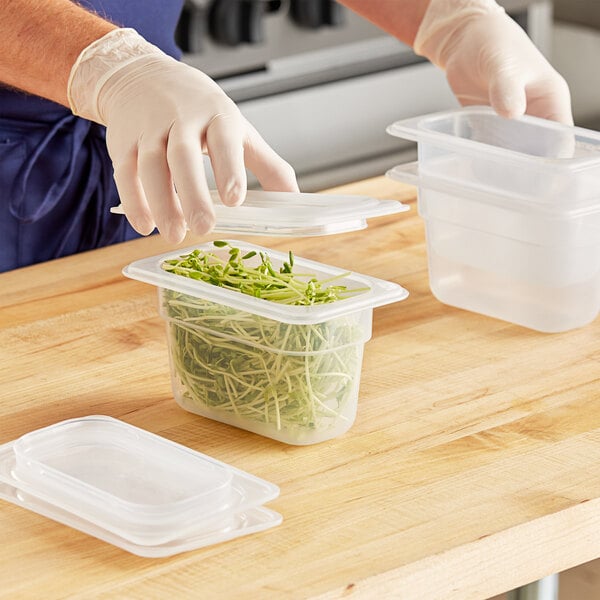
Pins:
x,y
473,466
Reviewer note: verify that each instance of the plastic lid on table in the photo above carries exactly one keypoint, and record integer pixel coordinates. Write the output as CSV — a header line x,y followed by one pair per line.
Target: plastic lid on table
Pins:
x,y
297,214
132,488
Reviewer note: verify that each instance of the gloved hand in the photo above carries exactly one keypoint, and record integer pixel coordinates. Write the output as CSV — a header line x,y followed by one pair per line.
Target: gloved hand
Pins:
x,y
489,60
161,115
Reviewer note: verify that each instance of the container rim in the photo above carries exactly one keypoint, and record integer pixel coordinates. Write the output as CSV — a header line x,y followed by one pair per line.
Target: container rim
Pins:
x,y
522,203
380,292
414,129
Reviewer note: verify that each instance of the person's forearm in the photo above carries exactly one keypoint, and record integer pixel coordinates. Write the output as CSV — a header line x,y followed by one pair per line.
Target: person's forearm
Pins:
x,y
40,41
401,18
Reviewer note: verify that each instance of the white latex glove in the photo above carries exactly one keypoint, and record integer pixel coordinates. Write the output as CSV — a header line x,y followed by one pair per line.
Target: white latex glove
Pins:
x,y
489,60
161,115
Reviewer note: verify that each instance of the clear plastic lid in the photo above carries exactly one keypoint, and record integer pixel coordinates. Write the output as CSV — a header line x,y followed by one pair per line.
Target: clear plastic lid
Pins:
x,y
297,214
135,484
246,522
374,292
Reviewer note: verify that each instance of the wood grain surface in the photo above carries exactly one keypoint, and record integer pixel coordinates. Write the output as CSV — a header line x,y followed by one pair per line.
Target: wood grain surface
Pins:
x,y
473,466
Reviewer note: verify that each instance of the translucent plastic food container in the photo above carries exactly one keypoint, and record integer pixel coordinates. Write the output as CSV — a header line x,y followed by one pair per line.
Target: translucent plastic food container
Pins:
x,y
287,372
131,487
512,215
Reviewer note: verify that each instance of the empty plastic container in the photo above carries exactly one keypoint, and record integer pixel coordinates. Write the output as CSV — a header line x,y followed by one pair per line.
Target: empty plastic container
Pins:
x,y
512,214
287,372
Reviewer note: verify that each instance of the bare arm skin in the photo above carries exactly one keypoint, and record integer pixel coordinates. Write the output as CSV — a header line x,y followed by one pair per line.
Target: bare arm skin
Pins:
x,y
401,18
40,41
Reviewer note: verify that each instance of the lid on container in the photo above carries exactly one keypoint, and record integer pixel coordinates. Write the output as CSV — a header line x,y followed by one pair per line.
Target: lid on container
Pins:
x,y
128,481
371,292
297,214
481,129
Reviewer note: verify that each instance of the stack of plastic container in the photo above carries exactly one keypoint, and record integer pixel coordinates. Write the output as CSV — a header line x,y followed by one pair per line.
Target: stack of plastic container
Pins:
x,y
512,214
131,488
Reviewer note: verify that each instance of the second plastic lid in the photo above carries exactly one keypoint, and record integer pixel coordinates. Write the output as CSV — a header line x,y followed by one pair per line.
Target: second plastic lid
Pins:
x,y
297,214
136,484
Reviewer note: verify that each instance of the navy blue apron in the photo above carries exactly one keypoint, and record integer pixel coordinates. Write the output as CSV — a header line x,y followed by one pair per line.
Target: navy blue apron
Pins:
x,y
56,178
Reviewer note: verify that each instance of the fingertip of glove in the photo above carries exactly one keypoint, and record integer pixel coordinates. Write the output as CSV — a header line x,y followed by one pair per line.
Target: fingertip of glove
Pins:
x,y
510,106
174,233
202,223
508,99
142,226
509,112
234,194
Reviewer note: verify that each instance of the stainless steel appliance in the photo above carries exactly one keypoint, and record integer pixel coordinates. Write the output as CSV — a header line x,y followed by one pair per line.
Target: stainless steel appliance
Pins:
x,y
319,82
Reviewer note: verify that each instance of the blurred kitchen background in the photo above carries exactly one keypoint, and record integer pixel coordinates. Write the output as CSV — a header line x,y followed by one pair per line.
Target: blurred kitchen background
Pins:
x,y
321,84
574,52
317,81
